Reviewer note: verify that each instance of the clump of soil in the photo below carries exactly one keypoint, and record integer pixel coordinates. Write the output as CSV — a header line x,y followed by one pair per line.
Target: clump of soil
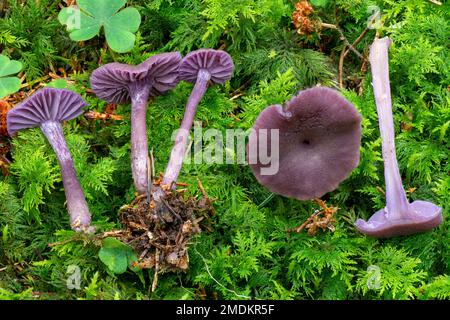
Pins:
x,y
160,232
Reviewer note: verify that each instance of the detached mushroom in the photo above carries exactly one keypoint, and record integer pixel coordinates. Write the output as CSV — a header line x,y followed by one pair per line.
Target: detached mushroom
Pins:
x,y
319,135
46,109
398,217
202,67
120,83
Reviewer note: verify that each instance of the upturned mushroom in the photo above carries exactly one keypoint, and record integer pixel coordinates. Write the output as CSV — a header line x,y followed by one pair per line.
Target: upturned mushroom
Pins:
x,y
46,109
399,217
203,67
313,142
120,84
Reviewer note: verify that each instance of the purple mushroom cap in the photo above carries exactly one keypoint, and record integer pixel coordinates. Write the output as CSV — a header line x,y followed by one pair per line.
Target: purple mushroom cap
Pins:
x,y
422,216
48,104
115,82
121,83
319,141
217,62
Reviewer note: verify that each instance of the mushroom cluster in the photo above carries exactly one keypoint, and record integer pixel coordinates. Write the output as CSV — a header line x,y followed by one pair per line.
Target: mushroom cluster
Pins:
x,y
121,84
314,139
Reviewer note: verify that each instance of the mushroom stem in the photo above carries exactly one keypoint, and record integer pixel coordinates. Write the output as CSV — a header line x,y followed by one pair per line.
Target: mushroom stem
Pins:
x,y
396,201
80,218
181,141
139,142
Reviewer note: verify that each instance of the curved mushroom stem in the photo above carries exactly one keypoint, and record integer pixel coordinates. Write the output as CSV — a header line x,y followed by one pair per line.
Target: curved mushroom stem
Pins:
x,y
80,218
396,201
399,217
139,142
181,141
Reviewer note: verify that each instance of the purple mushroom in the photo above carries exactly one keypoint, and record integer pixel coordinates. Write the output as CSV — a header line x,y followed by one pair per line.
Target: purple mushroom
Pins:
x,y
202,67
120,83
314,143
399,217
46,109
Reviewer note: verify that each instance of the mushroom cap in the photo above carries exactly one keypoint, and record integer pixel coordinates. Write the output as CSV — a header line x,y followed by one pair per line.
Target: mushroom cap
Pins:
x,y
217,62
114,81
319,142
47,104
421,216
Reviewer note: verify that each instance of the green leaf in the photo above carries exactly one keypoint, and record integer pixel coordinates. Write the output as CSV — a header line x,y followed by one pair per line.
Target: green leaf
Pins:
x,y
9,67
129,19
9,85
85,22
115,255
61,84
101,9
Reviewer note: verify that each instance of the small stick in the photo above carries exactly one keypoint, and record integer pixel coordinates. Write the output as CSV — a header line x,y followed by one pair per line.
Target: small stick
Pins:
x,y
30,84
54,244
112,233
341,68
345,51
304,224
202,189
343,38
151,172
171,210
143,254
155,278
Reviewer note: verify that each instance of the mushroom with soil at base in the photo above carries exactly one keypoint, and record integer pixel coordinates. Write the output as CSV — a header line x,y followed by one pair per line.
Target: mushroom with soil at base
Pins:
x,y
46,109
203,68
121,83
399,217
314,143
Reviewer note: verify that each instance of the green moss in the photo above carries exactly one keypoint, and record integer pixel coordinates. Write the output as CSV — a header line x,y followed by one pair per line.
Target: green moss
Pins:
x,y
247,252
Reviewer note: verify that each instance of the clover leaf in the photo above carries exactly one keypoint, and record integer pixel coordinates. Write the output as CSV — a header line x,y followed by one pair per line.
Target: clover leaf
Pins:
x,y
117,256
9,85
85,21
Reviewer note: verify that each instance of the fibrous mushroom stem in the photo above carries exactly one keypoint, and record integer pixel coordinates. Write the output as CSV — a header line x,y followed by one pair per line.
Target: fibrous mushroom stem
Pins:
x,y
139,142
396,201
80,218
181,141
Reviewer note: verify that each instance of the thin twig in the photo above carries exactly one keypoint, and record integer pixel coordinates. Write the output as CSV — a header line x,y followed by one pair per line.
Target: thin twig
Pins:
x,y
216,281
149,180
343,38
237,96
54,244
30,84
155,278
266,201
341,68
345,51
